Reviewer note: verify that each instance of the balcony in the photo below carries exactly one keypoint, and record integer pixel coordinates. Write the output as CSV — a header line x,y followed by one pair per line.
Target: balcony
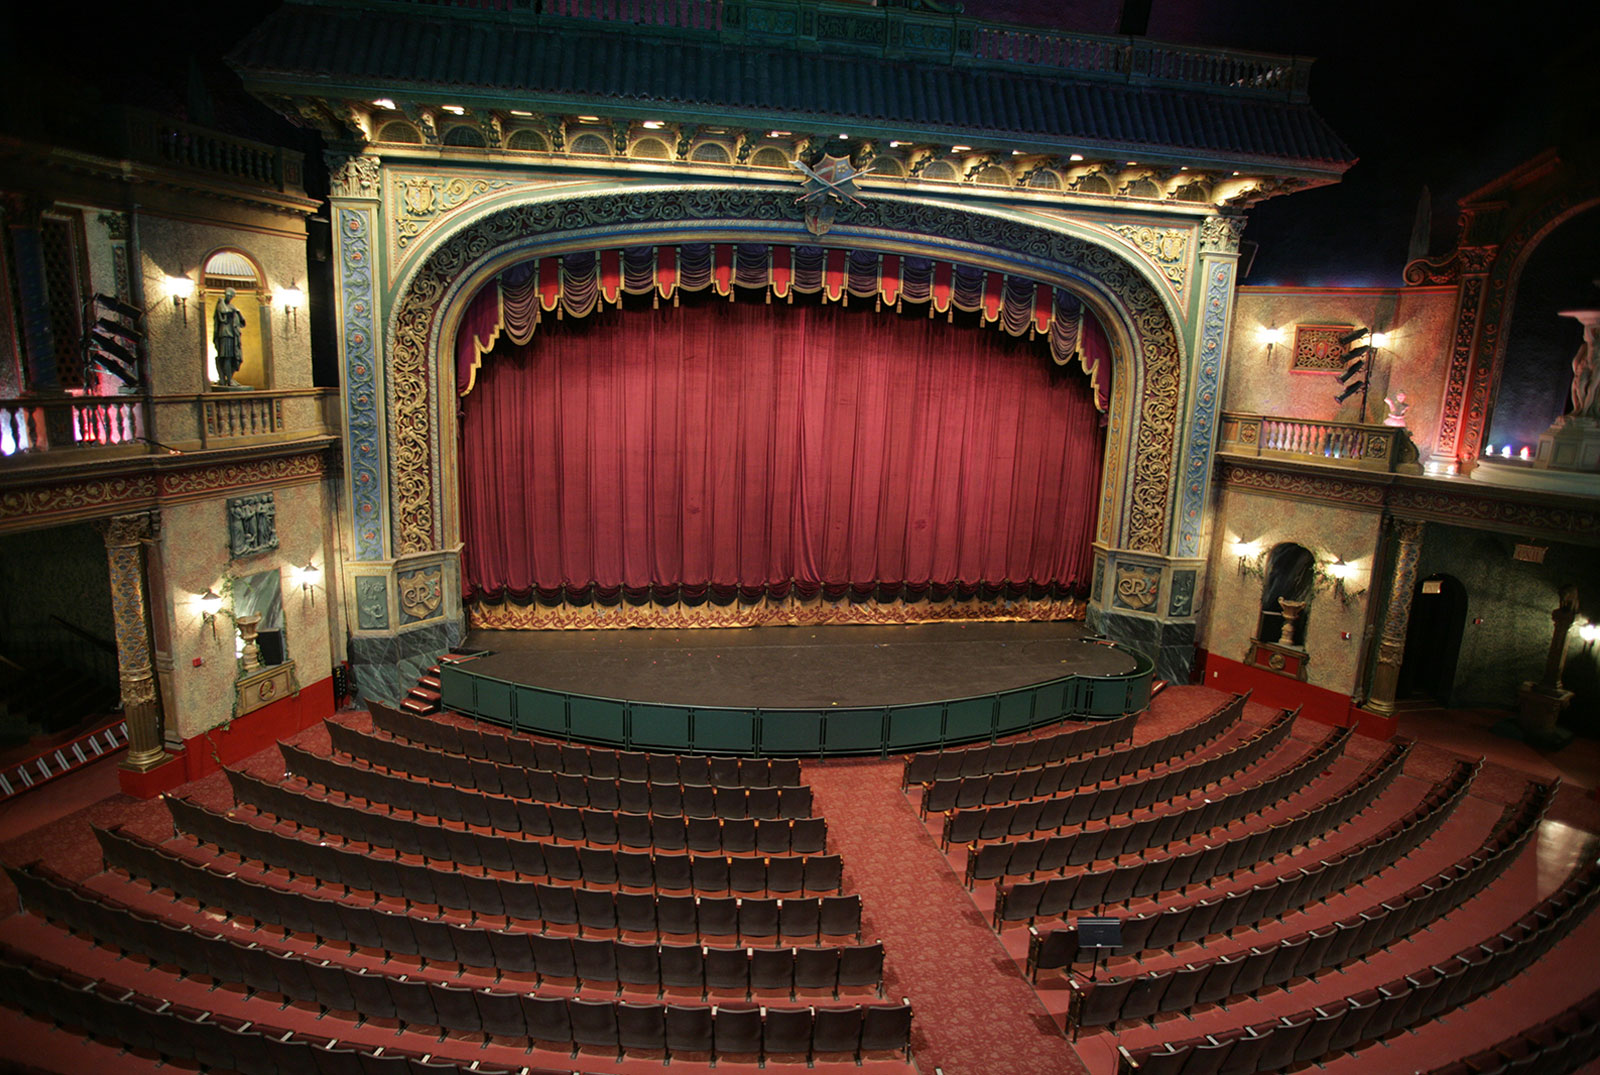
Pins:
x,y
1342,444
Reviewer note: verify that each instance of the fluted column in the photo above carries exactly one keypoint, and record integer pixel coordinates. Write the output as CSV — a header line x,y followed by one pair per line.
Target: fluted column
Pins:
x,y
1392,642
125,536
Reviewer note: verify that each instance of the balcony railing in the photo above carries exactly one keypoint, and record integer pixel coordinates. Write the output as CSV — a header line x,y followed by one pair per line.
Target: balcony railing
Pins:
x,y
34,427
37,425
1335,443
155,139
904,33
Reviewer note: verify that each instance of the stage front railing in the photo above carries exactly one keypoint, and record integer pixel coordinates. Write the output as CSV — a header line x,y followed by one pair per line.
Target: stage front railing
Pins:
x,y
814,732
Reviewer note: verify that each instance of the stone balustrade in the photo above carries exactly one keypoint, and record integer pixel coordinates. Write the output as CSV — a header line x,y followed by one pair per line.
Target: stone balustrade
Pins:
x,y
1366,447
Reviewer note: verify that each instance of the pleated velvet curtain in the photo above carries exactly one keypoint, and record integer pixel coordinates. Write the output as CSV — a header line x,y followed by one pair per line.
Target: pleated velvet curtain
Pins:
x,y
739,449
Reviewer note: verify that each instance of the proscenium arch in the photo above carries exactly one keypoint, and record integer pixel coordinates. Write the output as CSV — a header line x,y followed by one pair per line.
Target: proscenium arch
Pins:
x,y
1141,457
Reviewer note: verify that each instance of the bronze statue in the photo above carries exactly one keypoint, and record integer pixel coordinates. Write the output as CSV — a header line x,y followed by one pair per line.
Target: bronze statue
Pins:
x,y
227,325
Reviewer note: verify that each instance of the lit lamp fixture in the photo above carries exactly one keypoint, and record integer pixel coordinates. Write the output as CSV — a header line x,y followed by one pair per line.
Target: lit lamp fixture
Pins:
x,y
1271,337
181,288
291,299
1340,572
1590,634
307,577
1246,551
1380,339
210,605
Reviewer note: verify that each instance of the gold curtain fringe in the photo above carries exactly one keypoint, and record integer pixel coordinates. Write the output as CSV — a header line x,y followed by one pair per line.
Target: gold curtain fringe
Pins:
x,y
767,612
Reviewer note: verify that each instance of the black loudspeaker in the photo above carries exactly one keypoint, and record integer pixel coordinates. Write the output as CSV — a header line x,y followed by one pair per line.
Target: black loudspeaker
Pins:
x,y
1099,933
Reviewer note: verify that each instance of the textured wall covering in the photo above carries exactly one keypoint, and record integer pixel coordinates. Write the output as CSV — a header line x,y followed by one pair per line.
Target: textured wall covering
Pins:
x,y
1234,600
194,543
1514,599
1419,322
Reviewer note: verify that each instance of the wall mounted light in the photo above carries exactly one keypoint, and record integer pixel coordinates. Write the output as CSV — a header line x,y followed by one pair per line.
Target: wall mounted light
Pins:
x,y
210,605
1590,634
181,288
307,577
1271,337
1246,551
1380,339
291,299
1341,573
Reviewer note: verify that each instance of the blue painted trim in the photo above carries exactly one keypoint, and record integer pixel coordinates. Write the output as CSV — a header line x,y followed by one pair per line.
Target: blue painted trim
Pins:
x,y
361,381
1202,424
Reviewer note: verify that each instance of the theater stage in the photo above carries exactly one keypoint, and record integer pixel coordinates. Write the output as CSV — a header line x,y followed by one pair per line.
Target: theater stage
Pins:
x,y
798,667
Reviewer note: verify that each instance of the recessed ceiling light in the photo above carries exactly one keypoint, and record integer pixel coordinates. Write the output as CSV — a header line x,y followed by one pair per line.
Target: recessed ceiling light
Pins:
x,y
653,125
519,112
777,134
1016,152
961,149
383,102
454,110
1132,163
588,119
897,145
844,136
1076,157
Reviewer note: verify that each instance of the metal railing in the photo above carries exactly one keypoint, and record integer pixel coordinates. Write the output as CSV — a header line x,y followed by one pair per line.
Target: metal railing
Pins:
x,y
1338,443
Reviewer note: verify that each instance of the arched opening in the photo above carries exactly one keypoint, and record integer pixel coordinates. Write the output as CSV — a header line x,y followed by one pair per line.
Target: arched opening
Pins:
x,y
466,135
1289,578
779,460
1433,639
235,309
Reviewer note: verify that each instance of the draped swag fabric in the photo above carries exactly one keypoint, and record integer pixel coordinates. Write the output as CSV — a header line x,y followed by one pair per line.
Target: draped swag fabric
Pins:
x,y
578,284
740,454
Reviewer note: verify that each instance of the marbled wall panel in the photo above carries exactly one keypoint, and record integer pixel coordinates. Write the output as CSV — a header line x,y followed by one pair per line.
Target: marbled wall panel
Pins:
x,y
194,543
1414,361
1233,599
1514,600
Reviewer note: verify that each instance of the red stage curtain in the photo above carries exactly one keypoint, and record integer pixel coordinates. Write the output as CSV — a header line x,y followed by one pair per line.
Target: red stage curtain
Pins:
x,y
727,448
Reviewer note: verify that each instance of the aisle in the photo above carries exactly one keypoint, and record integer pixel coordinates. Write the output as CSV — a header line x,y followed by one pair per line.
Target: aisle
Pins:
x,y
973,1011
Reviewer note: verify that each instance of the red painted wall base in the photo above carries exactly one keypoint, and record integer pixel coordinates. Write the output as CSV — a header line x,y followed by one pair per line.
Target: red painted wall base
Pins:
x,y
1318,703
209,752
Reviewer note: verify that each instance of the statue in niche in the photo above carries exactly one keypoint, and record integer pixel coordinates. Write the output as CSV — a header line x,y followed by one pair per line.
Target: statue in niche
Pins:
x,y
1397,408
252,524
227,330
1586,373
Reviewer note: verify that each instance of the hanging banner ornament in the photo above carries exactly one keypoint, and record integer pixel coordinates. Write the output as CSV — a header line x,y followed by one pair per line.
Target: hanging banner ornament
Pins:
x,y
826,186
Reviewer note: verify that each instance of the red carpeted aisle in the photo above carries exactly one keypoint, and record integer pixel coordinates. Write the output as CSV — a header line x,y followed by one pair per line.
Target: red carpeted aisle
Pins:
x,y
974,1012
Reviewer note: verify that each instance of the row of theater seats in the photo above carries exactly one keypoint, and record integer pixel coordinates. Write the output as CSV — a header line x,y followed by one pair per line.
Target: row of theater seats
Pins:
x,y
1021,754
152,1026
1370,1014
667,832
1563,1043
667,871
1169,927
1112,1000
731,973
954,793
577,759
1026,858
370,926
552,904
1049,898
410,1000
571,789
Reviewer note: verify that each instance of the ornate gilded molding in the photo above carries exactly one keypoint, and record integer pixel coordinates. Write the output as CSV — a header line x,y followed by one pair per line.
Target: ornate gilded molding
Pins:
x,y
1221,234
787,612
1468,308
1453,505
363,425
125,536
420,200
1167,249
415,470
215,479
1202,428
421,593
352,176
69,499
1298,485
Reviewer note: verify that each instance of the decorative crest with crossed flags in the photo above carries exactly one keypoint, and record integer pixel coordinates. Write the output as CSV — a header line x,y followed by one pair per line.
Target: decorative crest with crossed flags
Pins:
x,y
826,186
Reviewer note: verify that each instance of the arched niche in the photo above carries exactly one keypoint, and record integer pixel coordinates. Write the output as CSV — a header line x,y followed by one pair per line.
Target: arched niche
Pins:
x,y
1138,477
225,269
1290,577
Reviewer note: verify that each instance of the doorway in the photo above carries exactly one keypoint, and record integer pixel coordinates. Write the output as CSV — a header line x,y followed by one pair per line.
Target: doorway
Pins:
x,y
1433,639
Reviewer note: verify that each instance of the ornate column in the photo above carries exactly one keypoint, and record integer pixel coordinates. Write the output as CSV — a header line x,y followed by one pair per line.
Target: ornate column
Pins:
x,y
125,536
1392,641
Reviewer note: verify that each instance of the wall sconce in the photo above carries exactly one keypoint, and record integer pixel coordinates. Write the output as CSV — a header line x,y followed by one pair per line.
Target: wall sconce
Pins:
x,y
291,299
1379,339
210,605
1590,634
1246,551
181,288
1271,337
1341,572
307,577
